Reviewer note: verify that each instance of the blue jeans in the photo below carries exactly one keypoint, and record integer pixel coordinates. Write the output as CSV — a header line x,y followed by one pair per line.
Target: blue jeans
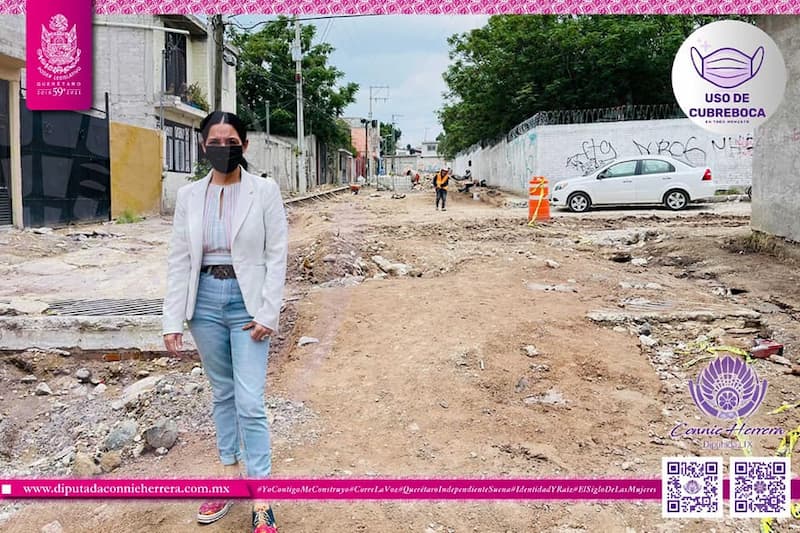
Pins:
x,y
441,194
236,366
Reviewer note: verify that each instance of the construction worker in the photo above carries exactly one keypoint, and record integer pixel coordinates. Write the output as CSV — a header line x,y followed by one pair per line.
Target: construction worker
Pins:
x,y
440,182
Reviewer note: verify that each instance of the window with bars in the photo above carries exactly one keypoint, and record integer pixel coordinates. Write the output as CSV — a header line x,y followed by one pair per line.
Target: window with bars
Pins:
x,y
179,147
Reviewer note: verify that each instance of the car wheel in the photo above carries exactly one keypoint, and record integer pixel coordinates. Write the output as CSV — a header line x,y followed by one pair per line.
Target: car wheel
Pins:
x,y
579,202
749,192
676,200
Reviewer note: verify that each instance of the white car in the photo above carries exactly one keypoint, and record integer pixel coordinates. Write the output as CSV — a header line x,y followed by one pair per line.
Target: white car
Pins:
x,y
639,180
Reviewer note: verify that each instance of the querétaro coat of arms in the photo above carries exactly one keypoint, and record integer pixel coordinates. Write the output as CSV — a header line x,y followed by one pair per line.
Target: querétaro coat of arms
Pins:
x,y
59,54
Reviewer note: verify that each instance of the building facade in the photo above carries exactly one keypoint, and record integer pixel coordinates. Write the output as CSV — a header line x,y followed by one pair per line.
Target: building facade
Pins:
x,y
362,130
12,64
158,72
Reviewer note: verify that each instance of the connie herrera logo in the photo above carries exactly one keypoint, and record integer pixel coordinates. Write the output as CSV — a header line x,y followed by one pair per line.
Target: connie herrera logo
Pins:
x,y
729,77
729,390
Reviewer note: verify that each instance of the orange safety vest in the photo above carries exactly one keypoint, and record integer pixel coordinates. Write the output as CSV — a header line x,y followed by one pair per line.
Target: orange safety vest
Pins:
x,y
441,182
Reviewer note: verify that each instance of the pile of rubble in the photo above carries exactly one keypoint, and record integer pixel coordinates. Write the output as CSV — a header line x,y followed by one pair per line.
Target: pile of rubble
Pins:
x,y
92,418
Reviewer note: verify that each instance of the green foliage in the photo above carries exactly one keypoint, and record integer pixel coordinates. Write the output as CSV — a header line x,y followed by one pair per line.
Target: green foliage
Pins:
x,y
201,170
518,65
343,138
390,135
325,95
195,96
128,217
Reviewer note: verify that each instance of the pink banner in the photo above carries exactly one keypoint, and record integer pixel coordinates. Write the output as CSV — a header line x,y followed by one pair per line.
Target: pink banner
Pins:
x,y
335,489
58,35
343,489
419,7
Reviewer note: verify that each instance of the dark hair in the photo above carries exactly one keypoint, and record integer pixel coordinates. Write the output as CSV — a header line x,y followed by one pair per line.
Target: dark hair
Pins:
x,y
224,117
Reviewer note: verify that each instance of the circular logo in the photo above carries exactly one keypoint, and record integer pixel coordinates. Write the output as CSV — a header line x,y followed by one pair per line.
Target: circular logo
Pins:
x,y
729,77
728,389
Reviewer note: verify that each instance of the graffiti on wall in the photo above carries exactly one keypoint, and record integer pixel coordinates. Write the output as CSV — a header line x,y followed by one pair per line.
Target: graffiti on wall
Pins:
x,y
741,145
686,151
563,153
520,161
593,155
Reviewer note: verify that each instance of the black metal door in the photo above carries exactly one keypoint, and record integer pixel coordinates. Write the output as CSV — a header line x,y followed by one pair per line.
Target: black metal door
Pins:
x,y
5,156
66,168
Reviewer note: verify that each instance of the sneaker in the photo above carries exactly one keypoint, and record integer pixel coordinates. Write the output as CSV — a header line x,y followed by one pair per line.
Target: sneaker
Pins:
x,y
443,209
210,512
264,521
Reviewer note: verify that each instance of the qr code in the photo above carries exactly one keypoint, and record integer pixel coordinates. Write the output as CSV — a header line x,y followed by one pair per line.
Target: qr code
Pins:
x,y
691,487
760,487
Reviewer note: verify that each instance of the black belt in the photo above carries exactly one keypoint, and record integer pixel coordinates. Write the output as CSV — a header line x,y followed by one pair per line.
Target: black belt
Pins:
x,y
220,271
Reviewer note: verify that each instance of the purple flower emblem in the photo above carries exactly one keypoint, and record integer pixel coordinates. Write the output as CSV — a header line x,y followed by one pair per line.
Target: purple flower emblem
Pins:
x,y
692,486
728,389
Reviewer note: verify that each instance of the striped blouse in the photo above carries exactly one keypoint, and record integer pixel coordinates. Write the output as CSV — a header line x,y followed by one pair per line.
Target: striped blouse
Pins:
x,y
220,203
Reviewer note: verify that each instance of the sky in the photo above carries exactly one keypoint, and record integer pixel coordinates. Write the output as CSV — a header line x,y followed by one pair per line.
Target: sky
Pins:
x,y
407,53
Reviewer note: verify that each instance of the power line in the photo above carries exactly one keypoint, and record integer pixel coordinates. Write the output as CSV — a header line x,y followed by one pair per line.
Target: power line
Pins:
x,y
325,17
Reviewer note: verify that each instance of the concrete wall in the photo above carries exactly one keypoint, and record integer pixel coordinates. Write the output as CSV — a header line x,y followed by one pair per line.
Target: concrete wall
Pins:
x,y
136,162
277,158
128,65
12,61
776,157
12,36
416,163
564,151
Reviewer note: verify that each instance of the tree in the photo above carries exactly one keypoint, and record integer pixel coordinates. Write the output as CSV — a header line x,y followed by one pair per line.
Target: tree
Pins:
x,y
518,65
324,96
390,135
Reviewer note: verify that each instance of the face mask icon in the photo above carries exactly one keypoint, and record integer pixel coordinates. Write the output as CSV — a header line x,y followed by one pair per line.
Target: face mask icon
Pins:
x,y
727,67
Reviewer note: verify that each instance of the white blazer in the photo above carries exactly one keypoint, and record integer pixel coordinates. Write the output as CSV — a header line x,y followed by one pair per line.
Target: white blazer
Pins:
x,y
259,251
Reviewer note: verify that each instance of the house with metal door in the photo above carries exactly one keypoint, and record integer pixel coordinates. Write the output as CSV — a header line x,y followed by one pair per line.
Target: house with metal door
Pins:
x,y
159,73
153,79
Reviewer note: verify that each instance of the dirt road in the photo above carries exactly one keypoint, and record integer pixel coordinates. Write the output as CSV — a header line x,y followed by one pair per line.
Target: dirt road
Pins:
x,y
427,374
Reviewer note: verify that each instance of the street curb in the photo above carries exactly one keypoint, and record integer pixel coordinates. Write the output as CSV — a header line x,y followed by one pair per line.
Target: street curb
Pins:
x,y
88,333
726,198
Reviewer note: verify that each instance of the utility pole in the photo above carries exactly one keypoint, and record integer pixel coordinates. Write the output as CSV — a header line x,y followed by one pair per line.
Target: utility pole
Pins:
x,y
394,132
266,117
375,99
297,55
394,143
366,124
218,31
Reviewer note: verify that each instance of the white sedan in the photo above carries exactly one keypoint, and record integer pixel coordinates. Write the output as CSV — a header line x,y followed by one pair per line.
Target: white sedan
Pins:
x,y
640,180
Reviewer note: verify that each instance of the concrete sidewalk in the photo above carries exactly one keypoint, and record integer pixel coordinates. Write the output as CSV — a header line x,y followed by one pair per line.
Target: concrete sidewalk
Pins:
x,y
85,263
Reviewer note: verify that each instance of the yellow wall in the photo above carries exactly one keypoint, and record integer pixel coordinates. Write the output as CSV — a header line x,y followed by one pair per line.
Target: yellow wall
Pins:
x,y
136,166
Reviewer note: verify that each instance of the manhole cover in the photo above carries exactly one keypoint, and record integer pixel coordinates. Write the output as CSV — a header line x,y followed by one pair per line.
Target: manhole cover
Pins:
x,y
106,307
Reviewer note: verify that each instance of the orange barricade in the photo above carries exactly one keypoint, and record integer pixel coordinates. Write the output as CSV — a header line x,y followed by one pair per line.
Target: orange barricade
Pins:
x,y
538,202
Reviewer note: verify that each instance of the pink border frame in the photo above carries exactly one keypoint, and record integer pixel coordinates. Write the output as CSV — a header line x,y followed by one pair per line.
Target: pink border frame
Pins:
x,y
434,7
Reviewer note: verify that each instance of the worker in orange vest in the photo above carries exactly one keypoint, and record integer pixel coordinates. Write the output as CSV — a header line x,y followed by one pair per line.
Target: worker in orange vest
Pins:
x,y
440,182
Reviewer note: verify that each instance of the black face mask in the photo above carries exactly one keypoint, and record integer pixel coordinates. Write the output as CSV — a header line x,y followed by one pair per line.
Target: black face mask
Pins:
x,y
224,159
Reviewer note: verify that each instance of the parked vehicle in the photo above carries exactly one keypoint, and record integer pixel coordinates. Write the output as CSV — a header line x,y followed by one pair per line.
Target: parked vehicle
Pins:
x,y
639,180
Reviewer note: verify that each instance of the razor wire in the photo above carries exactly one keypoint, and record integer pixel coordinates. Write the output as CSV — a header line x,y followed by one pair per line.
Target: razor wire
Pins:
x,y
583,116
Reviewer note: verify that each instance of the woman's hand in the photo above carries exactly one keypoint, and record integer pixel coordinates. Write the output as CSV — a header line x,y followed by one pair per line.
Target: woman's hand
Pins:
x,y
259,333
174,343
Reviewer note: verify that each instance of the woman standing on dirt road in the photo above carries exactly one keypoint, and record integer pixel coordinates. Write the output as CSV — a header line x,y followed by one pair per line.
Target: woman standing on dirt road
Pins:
x,y
226,273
